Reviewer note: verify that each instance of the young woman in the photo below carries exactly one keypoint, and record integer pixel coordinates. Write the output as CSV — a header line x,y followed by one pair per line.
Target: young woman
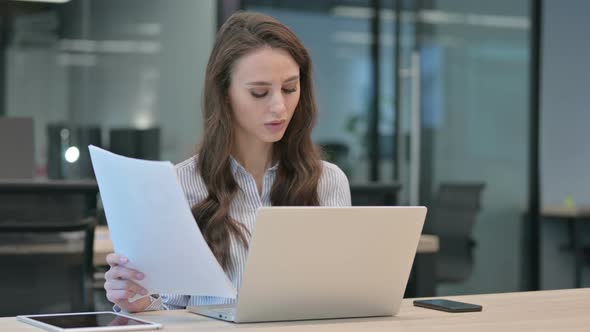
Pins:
x,y
259,110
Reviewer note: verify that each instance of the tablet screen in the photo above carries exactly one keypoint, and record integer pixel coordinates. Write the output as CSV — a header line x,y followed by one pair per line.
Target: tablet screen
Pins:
x,y
87,320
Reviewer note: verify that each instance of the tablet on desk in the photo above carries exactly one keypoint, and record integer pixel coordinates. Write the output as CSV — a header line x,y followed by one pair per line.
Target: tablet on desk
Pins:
x,y
88,322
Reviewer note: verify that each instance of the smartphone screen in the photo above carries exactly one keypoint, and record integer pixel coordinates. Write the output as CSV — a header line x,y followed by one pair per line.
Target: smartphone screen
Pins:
x,y
448,305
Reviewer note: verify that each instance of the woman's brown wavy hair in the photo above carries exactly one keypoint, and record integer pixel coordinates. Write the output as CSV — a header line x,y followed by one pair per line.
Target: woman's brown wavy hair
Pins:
x,y
299,167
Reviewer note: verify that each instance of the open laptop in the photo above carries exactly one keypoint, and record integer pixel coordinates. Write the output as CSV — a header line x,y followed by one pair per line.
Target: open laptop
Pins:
x,y
325,262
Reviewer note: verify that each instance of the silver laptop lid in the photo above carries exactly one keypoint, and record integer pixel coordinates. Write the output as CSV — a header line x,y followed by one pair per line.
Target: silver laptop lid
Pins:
x,y
328,262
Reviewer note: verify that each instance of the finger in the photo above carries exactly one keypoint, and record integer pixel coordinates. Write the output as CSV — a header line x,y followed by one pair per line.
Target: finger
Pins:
x,y
119,272
117,296
131,286
114,259
137,306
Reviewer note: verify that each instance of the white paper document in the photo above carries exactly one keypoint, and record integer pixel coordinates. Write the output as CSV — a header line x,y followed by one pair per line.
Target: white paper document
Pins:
x,y
151,223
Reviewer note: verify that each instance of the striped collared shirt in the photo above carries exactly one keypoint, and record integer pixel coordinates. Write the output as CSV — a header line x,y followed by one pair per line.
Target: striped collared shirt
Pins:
x,y
333,190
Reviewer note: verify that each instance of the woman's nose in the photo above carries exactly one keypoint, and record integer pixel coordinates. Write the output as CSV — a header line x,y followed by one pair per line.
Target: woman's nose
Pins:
x,y
278,104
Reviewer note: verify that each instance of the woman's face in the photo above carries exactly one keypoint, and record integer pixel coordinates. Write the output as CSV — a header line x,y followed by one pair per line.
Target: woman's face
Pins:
x,y
264,91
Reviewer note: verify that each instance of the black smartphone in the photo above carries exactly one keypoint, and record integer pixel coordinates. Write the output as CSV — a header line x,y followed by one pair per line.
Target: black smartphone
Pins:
x,y
447,305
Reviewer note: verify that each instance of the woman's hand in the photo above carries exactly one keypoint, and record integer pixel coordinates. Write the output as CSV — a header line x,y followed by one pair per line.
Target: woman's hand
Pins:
x,y
120,286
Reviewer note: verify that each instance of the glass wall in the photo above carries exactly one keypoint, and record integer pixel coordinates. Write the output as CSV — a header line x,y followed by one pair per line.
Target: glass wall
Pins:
x,y
463,111
121,74
475,125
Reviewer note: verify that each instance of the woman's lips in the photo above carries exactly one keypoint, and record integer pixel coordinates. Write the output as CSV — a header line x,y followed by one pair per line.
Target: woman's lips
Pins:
x,y
275,126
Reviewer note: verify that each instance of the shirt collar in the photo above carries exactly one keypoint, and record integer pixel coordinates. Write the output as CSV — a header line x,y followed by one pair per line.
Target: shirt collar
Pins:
x,y
237,167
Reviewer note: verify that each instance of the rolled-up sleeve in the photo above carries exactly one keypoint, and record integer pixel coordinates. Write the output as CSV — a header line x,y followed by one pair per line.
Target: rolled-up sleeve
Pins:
x,y
156,304
171,301
163,302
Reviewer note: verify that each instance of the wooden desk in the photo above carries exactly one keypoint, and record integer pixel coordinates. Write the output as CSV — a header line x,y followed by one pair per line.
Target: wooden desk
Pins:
x,y
573,216
562,310
103,245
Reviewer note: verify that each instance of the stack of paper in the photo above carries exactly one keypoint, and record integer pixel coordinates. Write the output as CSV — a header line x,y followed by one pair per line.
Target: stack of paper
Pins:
x,y
151,223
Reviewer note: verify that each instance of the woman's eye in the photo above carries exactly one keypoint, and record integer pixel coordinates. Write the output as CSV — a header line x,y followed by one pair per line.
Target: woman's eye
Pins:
x,y
258,94
289,90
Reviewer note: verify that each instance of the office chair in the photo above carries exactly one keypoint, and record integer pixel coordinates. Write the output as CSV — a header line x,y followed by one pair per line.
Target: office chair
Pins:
x,y
136,143
339,154
452,218
48,268
374,194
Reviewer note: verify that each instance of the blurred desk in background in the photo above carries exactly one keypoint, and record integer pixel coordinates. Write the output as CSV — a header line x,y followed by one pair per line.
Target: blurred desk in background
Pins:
x,y
46,255
428,244
558,211
103,246
574,216
47,200
421,281
47,185
42,202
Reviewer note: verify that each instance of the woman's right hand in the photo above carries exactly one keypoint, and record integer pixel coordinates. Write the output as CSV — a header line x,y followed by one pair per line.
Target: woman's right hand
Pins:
x,y
120,286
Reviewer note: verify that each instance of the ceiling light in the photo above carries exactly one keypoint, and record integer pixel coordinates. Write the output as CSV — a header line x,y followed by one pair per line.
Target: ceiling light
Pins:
x,y
50,1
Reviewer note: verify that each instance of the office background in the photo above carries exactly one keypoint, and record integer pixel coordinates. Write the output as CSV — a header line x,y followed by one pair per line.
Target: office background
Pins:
x,y
564,114
138,66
